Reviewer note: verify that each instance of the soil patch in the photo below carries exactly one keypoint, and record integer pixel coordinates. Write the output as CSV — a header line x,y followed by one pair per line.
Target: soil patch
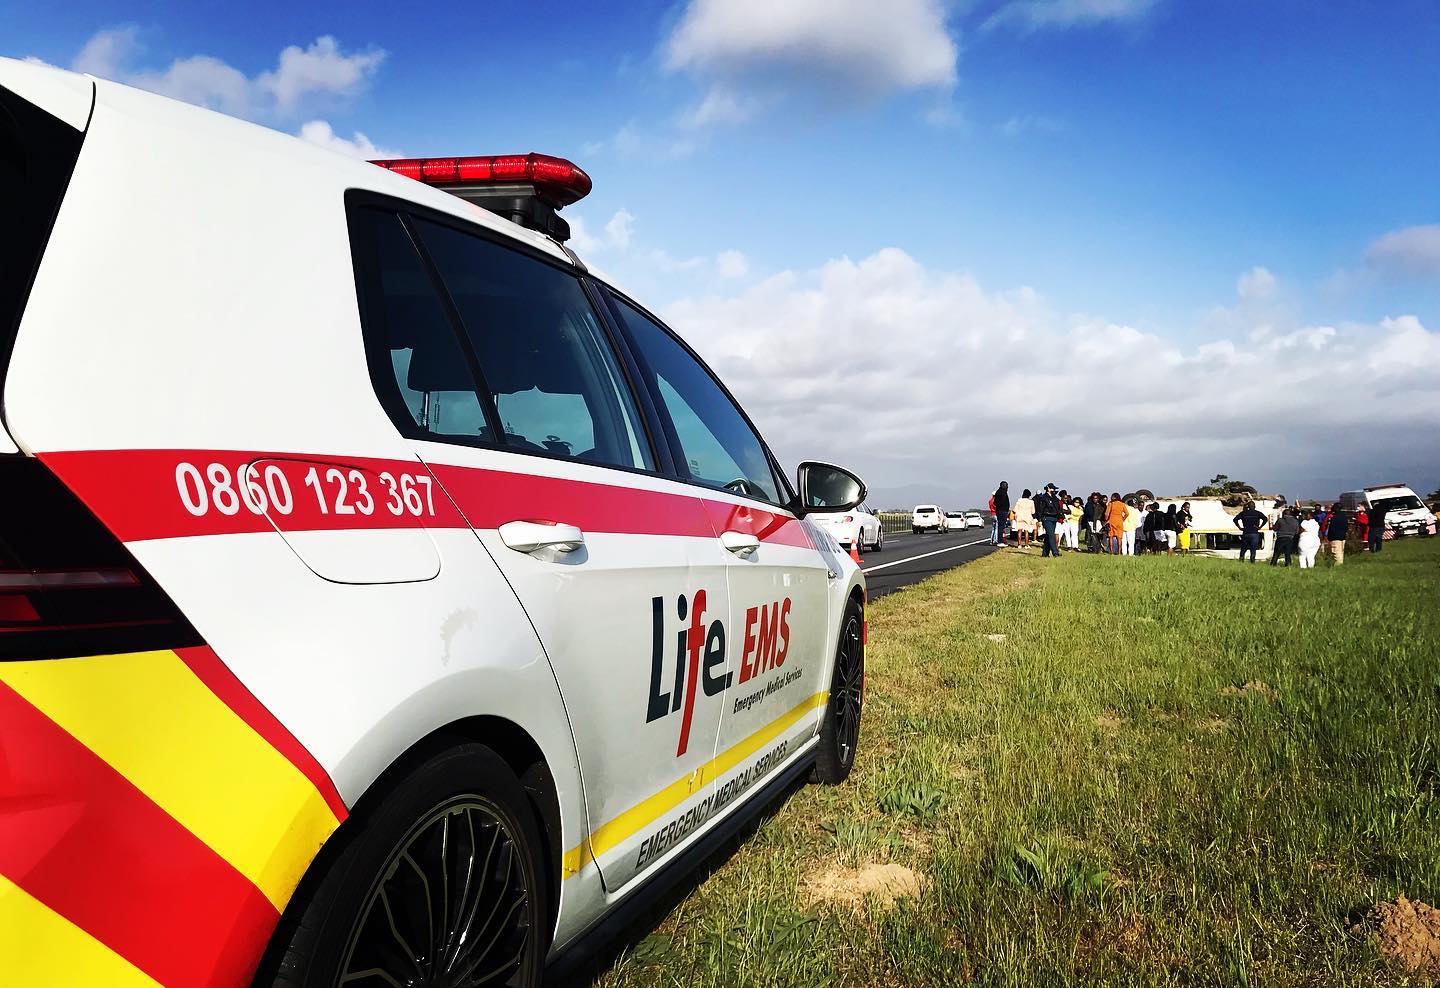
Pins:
x,y
849,887
1254,686
1408,934
1110,720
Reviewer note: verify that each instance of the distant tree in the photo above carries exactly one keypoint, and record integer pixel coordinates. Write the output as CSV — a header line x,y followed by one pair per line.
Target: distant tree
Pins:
x,y
1222,486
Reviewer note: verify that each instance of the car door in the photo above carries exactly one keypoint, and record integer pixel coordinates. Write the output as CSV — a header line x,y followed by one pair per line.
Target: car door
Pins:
x,y
777,667
504,377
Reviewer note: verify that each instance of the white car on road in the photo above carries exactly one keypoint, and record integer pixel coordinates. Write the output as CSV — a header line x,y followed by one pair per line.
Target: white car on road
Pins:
x,y
857,527
927,518
974,519
955,521
387,598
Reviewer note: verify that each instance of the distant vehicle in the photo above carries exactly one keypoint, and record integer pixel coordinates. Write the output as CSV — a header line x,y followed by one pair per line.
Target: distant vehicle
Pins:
x,y
859,523
974,519
955,521
927,518
1394,505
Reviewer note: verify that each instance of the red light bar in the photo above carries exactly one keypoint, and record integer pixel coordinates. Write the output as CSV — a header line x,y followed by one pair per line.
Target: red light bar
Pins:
x,y
563,181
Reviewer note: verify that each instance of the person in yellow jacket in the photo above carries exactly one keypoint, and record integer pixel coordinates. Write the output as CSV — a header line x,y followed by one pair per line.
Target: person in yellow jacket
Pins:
x,y
1132,522
1074,512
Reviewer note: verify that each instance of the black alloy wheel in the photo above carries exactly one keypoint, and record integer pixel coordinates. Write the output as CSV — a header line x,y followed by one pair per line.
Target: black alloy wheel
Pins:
x,y
449,910
437,880
840,731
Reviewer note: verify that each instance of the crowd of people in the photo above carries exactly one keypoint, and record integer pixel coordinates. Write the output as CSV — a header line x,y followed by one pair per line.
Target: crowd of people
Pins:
x,y
1128,526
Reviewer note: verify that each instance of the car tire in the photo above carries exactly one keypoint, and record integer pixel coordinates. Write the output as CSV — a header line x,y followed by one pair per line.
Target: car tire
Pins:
x,y
461,806
879,539
914,529
840,730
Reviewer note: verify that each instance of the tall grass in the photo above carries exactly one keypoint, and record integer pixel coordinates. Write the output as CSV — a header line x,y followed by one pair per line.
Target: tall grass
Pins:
x,y
1107,770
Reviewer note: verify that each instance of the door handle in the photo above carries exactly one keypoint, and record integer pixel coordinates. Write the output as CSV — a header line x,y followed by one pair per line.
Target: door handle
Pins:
x,y
532,536
739,543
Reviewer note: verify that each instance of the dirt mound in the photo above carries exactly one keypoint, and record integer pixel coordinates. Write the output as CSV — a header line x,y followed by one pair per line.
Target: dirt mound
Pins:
x,y
1111,721
850,887
1408,933
1254,686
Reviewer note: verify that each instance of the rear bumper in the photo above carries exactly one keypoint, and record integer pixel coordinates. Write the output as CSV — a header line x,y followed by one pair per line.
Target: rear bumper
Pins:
x,y
154,821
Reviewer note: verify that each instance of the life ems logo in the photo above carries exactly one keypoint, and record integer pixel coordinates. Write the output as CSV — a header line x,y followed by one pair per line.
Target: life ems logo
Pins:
x,y
700,655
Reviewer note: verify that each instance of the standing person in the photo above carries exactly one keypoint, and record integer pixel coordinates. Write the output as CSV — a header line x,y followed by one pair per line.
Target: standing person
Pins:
x,y
1117,515
1322,518
1172,529
1132,522
1000,507
1377,530
1074,511
1048,508
1251,523
1142,535
1095,522
1184,519
1287,530
1024,520
1362,526
1309,543
1337,528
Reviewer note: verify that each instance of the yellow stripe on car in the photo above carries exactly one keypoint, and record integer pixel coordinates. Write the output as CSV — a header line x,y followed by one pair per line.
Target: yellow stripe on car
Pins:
x,y
40,947
614,833
153,721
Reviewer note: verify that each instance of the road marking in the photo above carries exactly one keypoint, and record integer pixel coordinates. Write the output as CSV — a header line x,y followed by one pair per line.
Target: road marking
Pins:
x,y
924,555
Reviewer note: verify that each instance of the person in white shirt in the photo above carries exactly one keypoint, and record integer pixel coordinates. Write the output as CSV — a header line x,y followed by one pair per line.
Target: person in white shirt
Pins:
x,y
1309,541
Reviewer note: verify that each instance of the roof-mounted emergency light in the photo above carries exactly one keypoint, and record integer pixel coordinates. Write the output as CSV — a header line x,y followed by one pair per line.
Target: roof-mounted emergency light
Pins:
x,y
524,188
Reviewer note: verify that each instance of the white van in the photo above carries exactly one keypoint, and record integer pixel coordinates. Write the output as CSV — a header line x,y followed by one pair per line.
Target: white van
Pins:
x,y
1392,504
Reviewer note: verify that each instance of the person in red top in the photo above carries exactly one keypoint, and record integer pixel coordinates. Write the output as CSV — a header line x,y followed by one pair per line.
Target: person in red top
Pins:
x,y
1362,522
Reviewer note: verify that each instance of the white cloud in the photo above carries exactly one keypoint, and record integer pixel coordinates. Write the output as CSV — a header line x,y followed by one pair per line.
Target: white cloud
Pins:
x,y
732,264
618,230
1034,14
1255,285
1413,252
1017,126
916,375
302,76
359,146
746,52
631,142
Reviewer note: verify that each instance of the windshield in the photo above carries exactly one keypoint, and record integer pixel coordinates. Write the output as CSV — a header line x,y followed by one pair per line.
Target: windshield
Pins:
x,y
1402,503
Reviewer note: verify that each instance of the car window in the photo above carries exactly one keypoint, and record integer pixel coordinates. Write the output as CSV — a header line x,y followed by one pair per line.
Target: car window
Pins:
x,y
720,449
543,353
428,380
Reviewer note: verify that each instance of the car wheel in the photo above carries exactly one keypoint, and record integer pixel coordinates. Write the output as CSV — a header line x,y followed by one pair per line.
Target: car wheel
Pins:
x,y
840,731
914,529
439,883
879,538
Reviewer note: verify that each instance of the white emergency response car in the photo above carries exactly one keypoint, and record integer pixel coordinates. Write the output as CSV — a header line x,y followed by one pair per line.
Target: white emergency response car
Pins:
x,y
1395,506
927,518
384,597
857,527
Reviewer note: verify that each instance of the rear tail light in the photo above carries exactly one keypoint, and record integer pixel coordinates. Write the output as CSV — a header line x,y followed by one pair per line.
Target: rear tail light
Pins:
x,y
67,586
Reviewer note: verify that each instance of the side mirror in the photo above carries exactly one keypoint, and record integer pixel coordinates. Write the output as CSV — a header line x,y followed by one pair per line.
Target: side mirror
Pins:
x,y
826,487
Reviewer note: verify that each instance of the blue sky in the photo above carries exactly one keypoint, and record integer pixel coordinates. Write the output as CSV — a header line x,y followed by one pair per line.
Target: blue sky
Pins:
x,y
1225,173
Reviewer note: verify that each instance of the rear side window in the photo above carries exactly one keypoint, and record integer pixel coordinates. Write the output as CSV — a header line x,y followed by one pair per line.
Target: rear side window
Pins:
x,y
720,449
37,156
424,376
543,354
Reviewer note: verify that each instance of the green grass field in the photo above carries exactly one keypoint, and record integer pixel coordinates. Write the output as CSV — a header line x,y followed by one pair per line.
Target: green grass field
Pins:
x,y
1101,770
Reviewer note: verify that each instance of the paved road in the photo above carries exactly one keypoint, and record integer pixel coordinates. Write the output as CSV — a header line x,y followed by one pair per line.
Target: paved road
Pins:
x,y
908,559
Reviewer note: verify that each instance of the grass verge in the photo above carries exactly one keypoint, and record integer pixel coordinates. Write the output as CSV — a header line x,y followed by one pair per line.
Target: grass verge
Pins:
x,y
1143,771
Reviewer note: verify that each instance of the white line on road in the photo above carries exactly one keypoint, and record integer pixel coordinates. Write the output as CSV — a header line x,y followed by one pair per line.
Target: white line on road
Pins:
x,y
925,555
